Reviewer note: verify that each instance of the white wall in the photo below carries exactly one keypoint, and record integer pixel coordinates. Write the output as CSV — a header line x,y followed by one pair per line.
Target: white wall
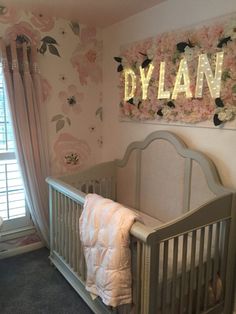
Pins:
x,y
218,144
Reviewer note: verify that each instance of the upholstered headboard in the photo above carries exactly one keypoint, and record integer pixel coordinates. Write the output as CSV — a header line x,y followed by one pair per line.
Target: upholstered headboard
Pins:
x,y
163,178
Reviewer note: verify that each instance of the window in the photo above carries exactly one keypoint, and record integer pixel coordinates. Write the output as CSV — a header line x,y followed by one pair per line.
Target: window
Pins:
x,y
13,208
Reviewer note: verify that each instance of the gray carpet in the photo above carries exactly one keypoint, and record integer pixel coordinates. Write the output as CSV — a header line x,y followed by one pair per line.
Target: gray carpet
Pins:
x,y
30,285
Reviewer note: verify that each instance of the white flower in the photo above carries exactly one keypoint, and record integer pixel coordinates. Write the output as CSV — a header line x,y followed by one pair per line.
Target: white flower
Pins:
x,y
191,53
151,53
226,113
125,63
166,111
136,101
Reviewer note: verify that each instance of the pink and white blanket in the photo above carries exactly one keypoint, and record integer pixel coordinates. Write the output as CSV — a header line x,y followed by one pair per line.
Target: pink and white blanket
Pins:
x,y
104,233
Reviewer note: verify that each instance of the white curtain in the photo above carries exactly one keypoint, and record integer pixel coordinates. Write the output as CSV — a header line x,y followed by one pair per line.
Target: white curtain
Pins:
x,y
23,87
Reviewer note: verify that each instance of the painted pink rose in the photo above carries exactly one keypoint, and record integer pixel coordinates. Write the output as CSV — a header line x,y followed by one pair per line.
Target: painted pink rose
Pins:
x,y
70,152
8,15
88,34
46,89
71,100
91,56
44,22
88,63
23,31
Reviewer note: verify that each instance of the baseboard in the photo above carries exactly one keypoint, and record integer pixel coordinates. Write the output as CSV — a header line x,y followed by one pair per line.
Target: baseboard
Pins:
x,y
21,249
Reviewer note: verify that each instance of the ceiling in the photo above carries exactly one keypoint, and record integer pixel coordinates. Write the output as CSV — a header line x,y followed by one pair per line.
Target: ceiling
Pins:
x,y
101,13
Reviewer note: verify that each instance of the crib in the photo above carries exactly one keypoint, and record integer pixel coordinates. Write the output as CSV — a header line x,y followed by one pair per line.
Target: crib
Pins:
x,y
183,254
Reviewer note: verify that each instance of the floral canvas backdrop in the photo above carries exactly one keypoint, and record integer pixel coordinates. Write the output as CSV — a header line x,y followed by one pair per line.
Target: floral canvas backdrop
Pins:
x,y
70,60
172,47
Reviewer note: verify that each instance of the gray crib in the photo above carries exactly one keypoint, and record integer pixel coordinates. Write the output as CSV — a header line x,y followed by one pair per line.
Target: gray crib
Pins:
x,y
183,255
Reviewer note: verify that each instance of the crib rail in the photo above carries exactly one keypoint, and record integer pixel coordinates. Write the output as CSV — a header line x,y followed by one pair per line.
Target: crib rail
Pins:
x,y
190,259
66,252
179,267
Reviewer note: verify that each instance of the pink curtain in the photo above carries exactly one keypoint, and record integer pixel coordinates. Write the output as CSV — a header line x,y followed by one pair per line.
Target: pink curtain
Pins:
x,y
23,86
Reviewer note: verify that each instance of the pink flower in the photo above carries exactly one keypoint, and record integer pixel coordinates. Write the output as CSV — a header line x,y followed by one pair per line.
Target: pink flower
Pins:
x,y
71,100
44,22
88,63
88,34
9,15
91,56
23,30
70,153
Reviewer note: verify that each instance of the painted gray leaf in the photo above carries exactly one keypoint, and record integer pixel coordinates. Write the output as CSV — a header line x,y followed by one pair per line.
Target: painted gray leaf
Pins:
x,y
99,113
68,120
60,125
49,40
2,9
75,28
43,48
57,117
53,50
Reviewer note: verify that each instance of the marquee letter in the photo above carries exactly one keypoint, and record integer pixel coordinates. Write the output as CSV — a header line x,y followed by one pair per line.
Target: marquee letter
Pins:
x,y
185,87
145,79
214,83
161,93
130,84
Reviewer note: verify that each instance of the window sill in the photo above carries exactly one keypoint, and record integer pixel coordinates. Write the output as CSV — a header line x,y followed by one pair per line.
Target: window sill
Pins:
x,y
17,233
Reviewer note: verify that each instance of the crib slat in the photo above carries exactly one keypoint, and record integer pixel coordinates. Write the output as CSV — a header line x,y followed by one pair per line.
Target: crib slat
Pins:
x,y
59,225
174,277
55,210
63,226
69,232
78,249
216,255
66,230
192,272
81,252
138,276
183,275
74,238
208,266
224,253
52,218
164,277
200,269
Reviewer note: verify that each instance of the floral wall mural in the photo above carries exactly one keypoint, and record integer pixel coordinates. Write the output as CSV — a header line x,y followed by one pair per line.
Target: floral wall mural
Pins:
x,y
70,59
172,50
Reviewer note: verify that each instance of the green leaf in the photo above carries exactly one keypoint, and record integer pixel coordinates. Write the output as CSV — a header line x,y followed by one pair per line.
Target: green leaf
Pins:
x,y
60,125
99,112
234,89
53,50
57,117
68,121
49,40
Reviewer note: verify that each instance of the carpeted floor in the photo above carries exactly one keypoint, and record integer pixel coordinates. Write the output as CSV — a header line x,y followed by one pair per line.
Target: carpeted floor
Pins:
x,y
30,285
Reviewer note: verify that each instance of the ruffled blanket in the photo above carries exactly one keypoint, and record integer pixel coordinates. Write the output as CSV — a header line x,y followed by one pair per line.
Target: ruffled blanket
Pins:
x,y
104,233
